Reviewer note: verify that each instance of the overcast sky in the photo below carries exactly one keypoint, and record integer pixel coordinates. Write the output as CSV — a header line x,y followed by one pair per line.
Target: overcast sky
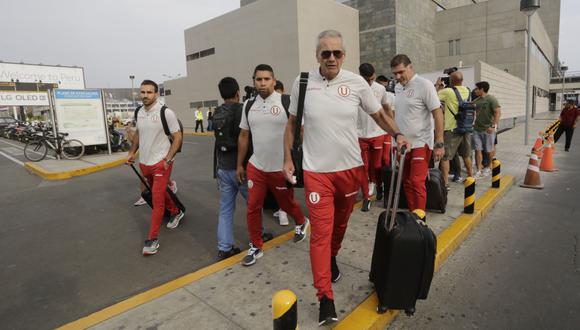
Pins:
x,y
113,39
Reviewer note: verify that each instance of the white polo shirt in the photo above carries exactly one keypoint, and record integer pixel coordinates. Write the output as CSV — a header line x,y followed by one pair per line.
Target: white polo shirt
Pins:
x,y
414,103
367,127
153,143
267,121
330,120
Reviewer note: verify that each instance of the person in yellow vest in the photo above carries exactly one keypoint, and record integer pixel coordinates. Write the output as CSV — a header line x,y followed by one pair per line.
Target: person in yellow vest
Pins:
x,y
198,119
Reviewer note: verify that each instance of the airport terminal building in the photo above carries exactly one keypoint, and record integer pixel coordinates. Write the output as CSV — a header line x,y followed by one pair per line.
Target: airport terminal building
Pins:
x,y
486,37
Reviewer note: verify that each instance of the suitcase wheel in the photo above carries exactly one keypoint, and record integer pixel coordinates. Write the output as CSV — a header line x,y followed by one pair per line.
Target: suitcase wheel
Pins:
x,y
410,311
381,309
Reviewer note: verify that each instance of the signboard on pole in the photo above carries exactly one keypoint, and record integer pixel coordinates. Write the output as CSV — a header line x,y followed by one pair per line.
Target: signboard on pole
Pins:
x,y
65,77
80,113
11,98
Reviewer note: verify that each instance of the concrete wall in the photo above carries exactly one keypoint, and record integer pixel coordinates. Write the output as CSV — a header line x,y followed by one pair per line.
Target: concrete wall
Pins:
x,y
281,33
415,28
507,88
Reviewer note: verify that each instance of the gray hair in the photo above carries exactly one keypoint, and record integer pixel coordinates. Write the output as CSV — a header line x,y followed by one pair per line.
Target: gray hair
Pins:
x,y
329,34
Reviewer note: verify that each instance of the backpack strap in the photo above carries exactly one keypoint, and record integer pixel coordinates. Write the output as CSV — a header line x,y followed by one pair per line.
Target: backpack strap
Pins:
x,y
164,121
300,109
286,103
137,112
248,107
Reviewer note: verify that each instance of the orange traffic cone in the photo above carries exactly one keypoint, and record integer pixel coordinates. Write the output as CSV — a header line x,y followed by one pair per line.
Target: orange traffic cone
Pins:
x,y
547,164
537,148
532,179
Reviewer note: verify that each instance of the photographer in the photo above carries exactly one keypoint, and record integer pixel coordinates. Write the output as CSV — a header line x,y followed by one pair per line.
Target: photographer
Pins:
x,y
454,142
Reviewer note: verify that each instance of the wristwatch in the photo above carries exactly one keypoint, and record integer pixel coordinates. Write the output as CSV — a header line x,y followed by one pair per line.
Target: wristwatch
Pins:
x,y
397,135
168,161
439,145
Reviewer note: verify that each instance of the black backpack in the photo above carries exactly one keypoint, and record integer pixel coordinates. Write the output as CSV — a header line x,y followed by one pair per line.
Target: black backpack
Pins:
x,y
224,125
165,126
465,117
285,104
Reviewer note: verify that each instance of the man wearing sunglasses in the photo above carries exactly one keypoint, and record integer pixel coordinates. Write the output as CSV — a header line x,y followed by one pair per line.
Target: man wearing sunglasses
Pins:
x,y
332,160
418,107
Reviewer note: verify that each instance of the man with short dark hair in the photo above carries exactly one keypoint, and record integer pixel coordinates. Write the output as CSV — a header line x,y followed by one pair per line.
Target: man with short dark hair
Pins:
x,y
418,108
332,160
488,113
156,154
265,120
454,142
371,138
226,161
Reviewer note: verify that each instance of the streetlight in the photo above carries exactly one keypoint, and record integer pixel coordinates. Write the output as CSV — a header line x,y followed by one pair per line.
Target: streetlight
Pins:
x,y
563,69
528,8
132,77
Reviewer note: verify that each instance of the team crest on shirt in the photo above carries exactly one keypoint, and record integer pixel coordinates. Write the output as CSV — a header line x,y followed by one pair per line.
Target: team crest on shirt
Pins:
x,y
343,90
155,118
250,184
410,92
275,110
314,197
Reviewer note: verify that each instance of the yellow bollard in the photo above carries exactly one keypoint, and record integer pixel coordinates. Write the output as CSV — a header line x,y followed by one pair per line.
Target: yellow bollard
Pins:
x,y
495,173
420,213
285,310
469,201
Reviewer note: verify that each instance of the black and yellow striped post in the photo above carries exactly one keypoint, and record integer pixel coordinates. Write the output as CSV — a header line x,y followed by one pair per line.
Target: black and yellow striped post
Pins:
x,y
469,201
285,310
420,214
495,173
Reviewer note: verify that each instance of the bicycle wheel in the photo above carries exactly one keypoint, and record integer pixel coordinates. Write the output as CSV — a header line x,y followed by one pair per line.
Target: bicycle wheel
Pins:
x,y
35,150
73,149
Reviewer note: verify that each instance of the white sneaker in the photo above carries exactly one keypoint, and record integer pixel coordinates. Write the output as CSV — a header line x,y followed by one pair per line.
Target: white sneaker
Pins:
x,y
173,186
478,175
174,220
277,213
283,216
486,171
372,186
140,202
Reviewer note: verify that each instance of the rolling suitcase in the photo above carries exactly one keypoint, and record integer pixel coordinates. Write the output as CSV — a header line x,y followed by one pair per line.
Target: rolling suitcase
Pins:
x,y
148,196
403,256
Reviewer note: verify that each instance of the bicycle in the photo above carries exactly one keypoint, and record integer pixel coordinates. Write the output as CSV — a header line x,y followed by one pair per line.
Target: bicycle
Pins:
x,y
37,147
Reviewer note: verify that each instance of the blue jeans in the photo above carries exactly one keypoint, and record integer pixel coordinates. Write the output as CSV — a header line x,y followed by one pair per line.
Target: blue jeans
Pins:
x,y
229,188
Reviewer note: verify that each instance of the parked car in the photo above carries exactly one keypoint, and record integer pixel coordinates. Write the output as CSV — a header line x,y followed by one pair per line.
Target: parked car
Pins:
x,y
5,121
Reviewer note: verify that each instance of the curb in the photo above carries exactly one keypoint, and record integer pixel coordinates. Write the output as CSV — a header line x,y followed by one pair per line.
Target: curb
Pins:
x,y
198,134
365,315
53,176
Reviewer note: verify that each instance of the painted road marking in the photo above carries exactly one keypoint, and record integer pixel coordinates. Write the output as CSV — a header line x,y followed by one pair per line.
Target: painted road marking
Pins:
x,y
13,151
12,159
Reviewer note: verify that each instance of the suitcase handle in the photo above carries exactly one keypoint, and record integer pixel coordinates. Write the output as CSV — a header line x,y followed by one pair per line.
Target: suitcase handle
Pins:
x,y
140,177
395,196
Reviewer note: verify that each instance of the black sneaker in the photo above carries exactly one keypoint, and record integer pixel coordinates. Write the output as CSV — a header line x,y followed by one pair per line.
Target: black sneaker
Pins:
x,y
334,270
267,236
327,314
366,205
226,254
254,254
380,194
301,230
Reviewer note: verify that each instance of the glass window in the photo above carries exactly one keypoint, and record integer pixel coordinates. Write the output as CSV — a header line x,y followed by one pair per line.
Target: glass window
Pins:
x,y
212,103
207,52
193,56
451,48
457,47
195,105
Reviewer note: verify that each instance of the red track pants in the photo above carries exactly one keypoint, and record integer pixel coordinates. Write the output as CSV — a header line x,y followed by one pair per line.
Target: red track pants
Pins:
x,y
371,152
414,176
259,183
330,198
158,177
387,150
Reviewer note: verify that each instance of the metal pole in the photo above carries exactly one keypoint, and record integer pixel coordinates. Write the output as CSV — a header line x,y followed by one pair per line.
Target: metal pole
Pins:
x,y
104,103
53,115
132,91
528,57
563,89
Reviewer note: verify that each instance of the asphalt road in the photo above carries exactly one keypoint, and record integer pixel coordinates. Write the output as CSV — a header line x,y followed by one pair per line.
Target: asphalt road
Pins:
x,y
70,248
520,268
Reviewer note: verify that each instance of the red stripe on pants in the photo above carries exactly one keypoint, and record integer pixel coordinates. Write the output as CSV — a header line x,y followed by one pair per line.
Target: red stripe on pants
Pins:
x,y
387,150
259,183
330,198
414,176
371,153
158,177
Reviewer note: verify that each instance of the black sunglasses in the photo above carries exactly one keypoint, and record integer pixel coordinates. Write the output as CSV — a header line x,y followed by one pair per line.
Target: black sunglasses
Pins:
x,y
325,54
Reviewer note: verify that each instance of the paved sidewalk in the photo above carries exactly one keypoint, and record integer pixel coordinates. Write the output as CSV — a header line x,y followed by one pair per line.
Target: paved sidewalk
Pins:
x,y
227,295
